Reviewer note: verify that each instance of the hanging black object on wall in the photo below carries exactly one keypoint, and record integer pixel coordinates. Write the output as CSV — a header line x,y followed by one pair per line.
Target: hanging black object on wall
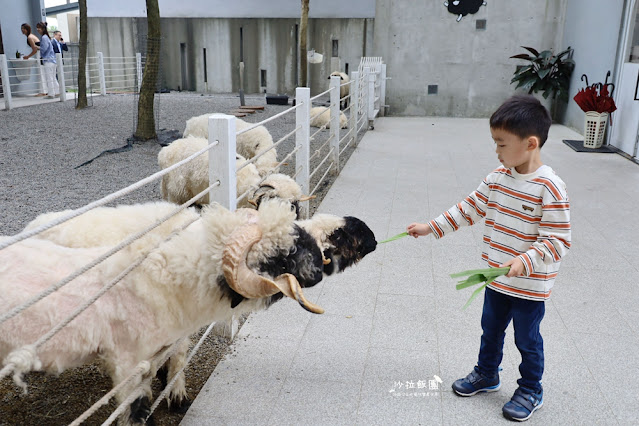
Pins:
x,y
462,8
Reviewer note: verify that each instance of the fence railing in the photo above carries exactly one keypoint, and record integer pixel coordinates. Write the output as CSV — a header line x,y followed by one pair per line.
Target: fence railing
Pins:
x,y
365,102
103,75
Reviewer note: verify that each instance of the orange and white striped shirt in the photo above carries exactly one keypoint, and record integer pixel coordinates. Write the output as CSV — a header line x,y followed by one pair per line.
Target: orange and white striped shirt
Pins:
x,y
526,216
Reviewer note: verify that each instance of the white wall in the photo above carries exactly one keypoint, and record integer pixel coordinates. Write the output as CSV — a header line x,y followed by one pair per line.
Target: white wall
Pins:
x,y
233,9
595,50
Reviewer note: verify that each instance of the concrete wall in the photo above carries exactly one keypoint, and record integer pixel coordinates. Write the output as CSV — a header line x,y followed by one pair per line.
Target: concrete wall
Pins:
x,y
15,13
595,51
269,44
233,9
423,45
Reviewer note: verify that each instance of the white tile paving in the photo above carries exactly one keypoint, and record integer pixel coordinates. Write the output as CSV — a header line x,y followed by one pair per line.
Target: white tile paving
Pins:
x,y
397,318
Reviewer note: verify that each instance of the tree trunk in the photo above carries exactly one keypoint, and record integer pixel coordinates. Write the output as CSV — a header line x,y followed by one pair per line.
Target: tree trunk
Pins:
x,y
146,118
82,58
303,43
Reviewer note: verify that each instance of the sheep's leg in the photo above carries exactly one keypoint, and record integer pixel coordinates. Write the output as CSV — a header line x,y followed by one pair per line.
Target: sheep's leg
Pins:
x,y
177,400
140,408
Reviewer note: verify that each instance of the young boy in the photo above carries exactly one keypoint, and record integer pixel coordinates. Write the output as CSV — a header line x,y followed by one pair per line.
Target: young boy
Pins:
x,y
527,227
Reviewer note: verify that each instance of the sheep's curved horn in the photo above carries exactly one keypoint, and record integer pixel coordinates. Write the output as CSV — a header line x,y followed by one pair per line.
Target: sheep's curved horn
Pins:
x,y
250,284
289,285
307,197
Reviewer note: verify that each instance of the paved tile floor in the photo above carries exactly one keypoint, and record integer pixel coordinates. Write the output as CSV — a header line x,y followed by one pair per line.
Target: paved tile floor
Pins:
x,y
395,320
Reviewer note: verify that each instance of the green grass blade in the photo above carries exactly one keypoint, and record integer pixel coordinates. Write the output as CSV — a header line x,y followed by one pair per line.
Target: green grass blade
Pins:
x,y
476,293
471,281
396,237
486,272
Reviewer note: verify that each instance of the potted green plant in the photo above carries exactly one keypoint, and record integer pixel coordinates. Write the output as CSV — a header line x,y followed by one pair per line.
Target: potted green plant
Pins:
x,y
545,72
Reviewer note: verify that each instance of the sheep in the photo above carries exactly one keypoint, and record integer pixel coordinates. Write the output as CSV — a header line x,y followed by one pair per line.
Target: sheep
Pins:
x,y
343,90
183,183
225,264
248,144
322,116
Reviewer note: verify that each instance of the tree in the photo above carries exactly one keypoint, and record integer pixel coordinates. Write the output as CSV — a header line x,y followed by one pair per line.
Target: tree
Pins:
x,y
146,120
303,43
82,58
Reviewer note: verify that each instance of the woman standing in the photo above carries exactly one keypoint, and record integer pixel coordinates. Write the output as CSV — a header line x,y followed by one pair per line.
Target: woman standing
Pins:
x,y
48,57
31,40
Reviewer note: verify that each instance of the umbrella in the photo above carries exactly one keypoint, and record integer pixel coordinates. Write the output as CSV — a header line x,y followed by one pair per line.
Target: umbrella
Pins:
x,y
596,97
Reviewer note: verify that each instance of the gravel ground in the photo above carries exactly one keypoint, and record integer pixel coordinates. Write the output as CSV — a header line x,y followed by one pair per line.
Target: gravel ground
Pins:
x,y
40,146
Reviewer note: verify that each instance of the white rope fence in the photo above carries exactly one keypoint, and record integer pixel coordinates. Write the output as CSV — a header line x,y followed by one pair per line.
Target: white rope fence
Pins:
x,y
358,107
111,197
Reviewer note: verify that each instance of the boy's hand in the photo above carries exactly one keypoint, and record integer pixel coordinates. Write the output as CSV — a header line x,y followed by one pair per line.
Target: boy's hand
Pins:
x,y
418,229
516,267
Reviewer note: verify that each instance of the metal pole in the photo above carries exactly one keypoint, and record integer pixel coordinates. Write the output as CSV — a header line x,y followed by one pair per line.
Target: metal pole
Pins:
x,y
335,113
382,91
101,74
222,160
61,83
302,140
138,67
352,122
6,83
222,167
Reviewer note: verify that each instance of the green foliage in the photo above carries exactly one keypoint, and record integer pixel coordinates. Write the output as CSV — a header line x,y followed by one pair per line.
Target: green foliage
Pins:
x,y
545,72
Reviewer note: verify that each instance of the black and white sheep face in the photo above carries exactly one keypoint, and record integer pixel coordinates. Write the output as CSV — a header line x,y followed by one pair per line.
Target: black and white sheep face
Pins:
x,y
303,260
348,245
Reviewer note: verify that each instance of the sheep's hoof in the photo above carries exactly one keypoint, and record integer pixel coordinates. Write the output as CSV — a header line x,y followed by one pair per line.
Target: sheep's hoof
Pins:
x,y
181,407
140,409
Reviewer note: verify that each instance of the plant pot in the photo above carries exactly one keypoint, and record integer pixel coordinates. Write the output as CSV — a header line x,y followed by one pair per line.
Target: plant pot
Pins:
x,y
594,129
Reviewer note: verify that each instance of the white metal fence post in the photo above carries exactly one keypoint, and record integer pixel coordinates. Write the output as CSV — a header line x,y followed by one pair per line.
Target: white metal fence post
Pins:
x,y
354,103
382,91
138,68
6,83
335,127
222,160
302,140
88,74
61,82
222,168
101,74
370,95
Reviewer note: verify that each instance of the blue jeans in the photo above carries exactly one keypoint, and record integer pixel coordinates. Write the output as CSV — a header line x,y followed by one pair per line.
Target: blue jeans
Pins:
x,y
499,309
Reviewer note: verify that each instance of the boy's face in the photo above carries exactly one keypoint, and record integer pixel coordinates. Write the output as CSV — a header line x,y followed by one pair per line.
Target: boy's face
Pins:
x,y
513,151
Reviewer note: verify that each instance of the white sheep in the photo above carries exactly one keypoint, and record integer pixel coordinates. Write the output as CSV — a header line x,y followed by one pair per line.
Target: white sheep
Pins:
x,y
183,183
248,144
343,90
321,116
222,265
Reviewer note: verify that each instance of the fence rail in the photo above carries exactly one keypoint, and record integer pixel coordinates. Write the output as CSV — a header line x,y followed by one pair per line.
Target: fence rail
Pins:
x,y
366,101
103,74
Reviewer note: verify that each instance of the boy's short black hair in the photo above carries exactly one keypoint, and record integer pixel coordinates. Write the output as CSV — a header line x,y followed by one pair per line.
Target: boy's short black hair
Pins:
x,y
524,116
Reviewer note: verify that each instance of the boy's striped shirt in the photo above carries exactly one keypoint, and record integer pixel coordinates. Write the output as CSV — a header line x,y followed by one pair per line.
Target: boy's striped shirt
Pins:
x,y
526,216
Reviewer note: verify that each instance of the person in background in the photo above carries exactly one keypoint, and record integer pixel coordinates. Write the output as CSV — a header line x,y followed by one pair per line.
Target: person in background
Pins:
x,y
58,43
48,58
32,40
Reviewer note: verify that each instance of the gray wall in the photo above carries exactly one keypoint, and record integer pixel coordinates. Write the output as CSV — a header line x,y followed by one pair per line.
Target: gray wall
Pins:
x,y
423,45
595,50
233,9
15,13
269,44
